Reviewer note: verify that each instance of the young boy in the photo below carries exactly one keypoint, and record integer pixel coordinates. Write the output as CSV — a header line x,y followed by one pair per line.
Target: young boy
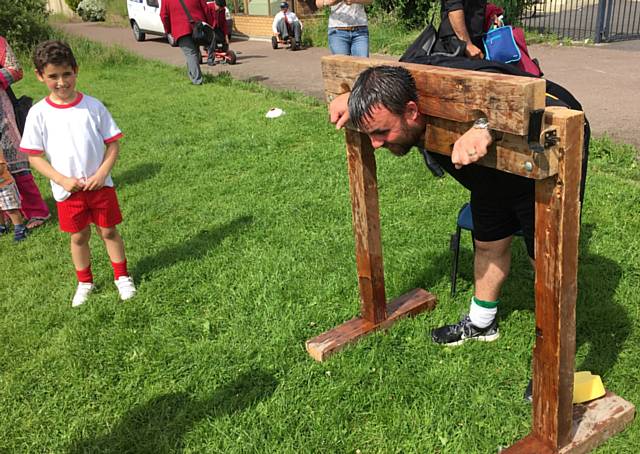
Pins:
x,y
10,202
72,139
221,31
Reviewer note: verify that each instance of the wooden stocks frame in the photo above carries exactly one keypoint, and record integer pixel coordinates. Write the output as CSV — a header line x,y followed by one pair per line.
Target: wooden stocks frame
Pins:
x,y
552,155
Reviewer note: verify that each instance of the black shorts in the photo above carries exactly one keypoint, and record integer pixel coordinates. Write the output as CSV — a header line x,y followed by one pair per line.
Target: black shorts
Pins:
x,y
501,203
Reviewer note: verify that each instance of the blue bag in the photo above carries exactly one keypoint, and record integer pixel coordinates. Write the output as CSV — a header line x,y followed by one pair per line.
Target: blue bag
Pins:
x,y
499,45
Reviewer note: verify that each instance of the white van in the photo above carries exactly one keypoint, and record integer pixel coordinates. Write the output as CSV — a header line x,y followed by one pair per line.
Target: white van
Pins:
x,y
144,17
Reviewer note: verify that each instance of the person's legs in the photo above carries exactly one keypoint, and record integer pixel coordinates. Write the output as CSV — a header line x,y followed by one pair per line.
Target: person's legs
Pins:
x,y
105,213
211,51
15,216
19,229
218,38
339,42
80,252
492,262
33,206
81,257
115,248
192,56
297,32
113,243
10,206
360,42
494,225
283,30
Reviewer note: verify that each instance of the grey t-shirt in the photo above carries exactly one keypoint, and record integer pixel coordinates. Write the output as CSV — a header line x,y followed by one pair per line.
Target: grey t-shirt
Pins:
x,y
343,15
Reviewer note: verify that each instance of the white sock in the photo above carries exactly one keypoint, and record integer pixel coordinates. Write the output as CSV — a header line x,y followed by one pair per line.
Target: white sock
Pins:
x,y
482,316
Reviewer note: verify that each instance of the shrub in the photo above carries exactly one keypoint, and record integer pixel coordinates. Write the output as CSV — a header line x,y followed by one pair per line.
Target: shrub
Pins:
x,y
24,23
412,14
92,10
513,9
415,14
73,4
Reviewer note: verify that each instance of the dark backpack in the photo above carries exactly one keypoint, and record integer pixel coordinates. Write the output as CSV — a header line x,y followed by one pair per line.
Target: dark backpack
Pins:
x,y
20,108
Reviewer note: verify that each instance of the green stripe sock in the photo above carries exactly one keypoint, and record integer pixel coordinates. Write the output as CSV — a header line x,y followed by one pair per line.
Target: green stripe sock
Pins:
x,y
482,313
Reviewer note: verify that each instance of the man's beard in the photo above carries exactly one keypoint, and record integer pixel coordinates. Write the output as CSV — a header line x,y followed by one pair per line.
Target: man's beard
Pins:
x,y
409,138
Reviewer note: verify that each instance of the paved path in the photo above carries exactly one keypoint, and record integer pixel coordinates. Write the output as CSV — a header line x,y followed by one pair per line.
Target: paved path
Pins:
x,y
604,78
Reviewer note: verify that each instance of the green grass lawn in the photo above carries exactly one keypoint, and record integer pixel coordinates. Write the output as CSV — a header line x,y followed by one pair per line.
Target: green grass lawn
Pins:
x,y
238,234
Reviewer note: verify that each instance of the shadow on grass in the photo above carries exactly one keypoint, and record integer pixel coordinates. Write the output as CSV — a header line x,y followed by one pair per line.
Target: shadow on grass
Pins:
x,y
600,321
192,248
160,424
137,174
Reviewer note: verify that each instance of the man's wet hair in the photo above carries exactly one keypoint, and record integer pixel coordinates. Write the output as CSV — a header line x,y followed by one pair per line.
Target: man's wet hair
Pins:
x,y
53,52
391,87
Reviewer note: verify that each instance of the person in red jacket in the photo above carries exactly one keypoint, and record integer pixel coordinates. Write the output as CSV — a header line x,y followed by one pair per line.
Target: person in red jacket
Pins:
x,y
221,30
175,21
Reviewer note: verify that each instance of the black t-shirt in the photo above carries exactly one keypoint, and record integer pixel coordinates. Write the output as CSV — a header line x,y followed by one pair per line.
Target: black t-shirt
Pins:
x,y
473,18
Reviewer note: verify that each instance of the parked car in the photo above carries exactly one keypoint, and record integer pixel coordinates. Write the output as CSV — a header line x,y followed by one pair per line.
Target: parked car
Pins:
x,y
144,18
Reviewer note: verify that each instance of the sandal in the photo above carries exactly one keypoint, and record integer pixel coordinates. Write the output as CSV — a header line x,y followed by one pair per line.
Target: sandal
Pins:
x,y
36,222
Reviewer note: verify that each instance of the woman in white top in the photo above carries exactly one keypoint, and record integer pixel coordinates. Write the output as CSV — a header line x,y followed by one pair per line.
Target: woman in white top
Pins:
x,y
348,27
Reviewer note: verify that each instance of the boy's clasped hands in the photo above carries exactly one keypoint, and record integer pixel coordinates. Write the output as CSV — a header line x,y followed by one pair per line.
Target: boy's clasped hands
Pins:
x,y
93,183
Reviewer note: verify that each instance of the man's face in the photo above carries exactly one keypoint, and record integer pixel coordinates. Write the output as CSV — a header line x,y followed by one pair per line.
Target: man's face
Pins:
x,y
396,133
61,82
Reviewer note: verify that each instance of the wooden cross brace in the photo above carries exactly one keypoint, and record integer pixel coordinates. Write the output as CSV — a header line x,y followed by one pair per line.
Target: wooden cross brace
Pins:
x,y
550,153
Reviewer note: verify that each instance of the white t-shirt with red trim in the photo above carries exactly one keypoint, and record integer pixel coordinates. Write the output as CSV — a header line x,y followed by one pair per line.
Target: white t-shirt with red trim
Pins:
x,y
72,137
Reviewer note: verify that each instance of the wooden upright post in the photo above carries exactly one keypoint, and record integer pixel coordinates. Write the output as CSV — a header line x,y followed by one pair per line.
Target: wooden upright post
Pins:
x,y
363,184
375,313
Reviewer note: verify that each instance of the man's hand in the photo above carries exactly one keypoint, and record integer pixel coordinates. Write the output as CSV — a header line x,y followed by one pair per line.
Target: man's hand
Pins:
x,y
339,110
71,184
473,52
95,182
470,147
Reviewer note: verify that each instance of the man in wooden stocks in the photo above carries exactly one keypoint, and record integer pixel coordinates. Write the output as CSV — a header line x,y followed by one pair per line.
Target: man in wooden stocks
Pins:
x,y
383,104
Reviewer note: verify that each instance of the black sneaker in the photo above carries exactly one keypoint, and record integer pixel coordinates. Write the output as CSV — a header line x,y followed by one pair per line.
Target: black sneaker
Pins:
x,y
463,331
20,232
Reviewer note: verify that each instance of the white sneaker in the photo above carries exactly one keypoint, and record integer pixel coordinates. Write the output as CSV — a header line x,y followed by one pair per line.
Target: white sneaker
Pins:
x,y
82,293
125,287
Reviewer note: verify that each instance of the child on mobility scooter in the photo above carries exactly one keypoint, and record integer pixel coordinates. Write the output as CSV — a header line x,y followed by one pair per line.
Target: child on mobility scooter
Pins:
x,y
218,51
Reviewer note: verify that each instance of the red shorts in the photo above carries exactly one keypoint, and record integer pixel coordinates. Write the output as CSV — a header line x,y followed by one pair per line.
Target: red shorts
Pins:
x,y
84,207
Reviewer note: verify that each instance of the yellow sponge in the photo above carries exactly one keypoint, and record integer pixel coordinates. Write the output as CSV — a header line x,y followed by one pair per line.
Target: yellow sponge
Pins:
x,y
586,387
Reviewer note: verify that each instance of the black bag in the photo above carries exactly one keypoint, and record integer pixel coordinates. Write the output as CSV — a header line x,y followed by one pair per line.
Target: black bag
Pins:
x,y
201,32
427,44
20,108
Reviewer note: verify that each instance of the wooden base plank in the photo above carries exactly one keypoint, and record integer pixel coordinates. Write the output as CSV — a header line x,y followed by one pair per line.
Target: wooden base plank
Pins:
x,y
596,421
329,342
593,424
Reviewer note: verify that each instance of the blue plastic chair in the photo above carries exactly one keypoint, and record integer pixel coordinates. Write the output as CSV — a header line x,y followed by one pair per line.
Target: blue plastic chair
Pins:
x,y
464,222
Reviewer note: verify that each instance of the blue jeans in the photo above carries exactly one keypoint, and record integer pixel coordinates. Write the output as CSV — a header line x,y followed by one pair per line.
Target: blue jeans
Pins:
x,y
349,42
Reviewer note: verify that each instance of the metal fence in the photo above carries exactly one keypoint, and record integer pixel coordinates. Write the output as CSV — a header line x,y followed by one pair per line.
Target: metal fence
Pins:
x,y
595,20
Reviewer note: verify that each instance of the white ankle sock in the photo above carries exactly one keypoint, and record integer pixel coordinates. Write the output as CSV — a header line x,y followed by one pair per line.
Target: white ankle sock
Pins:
x,y
482,316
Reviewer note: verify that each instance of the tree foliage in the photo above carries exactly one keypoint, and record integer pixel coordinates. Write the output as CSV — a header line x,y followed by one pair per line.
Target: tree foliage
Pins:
x,y
415,14
24,23
73,4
